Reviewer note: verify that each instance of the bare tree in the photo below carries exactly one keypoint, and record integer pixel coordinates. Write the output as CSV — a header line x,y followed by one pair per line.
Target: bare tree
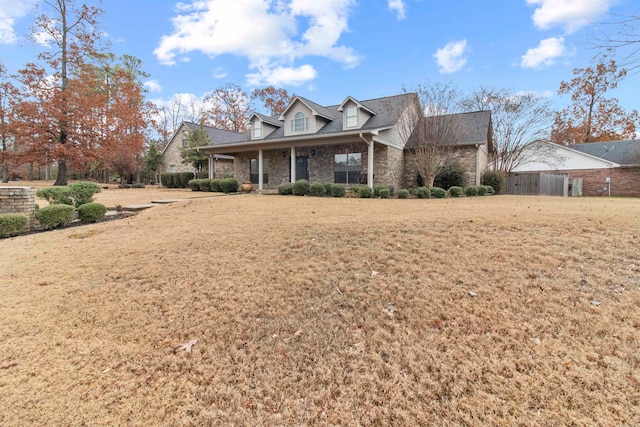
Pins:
x,y
518,120
621,35
432,128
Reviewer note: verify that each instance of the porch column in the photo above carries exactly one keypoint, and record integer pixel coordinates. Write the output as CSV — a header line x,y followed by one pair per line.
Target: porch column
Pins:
x,y
293,164
212,171
370,165
260,171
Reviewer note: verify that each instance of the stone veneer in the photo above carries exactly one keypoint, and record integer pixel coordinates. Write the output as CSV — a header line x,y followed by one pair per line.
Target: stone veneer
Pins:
x,y
388,163
19,200
465,157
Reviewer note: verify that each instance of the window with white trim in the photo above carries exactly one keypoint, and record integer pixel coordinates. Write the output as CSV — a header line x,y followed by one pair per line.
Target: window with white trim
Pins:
x,y
351,116
257,129
254,171
300,123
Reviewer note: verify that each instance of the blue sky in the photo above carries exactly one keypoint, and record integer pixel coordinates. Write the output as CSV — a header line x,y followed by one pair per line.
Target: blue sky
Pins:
x,y
328,49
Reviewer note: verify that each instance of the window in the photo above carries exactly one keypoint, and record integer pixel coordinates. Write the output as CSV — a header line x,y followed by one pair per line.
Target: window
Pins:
x,y
255,173
352,117
185,142
257,129
172,168
347,168
300,123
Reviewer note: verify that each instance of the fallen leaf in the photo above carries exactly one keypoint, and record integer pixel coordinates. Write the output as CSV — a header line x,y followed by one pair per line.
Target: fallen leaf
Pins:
x,y
188,346
595,303
473,294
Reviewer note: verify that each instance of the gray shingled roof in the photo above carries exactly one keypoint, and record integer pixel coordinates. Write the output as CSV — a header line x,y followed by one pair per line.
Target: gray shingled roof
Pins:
x,y
625,152
473,127
387,109
219,136
272,120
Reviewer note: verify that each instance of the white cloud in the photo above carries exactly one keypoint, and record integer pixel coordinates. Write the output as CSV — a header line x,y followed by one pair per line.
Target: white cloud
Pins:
x,y
10,10
280,76
271,34
153,85
451,57
398,6
570,14
545,54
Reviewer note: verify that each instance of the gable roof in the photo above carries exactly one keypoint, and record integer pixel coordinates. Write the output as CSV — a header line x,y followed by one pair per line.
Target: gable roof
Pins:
x,y
316,109
473,128
625,152
216,135
358,104
272,120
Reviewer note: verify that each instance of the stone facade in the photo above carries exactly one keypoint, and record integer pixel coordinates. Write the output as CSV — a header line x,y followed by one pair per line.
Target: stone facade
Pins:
x,y
171,160
388,163
19,200
472,161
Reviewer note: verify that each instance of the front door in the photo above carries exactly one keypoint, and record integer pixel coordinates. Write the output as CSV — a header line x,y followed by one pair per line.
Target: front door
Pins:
x,y
302,167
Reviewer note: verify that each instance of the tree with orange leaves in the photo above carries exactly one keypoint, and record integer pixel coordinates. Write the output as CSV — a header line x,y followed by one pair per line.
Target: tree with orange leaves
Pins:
x,y
9,98
275,100
592,117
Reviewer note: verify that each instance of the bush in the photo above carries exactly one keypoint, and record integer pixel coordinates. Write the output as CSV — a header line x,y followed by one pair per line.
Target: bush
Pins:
x,y
490,189
438,193
185,177
317,189
327,188
194,184
285,189
384,193
55,215
301,188
403,194
13,224
422,193
82,192
455,191
55,195
495,179
214,185
482,190
366,192
91,212
338,190
204,184
377,188
450,176
355,191
228,185
137,185
471,191
166,179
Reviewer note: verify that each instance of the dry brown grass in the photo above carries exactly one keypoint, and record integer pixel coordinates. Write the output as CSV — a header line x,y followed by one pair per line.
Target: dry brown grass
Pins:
x,y
328,312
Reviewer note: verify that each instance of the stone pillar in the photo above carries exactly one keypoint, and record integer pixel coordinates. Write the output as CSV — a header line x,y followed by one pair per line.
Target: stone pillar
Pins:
x,y
19,200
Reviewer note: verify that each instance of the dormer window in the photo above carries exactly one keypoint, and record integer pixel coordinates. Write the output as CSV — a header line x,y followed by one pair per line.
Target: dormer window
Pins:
x,y
300,123
351,116
257,129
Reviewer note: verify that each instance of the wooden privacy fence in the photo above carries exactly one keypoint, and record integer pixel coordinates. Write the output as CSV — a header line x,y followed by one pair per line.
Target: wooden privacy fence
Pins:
x,y
537,184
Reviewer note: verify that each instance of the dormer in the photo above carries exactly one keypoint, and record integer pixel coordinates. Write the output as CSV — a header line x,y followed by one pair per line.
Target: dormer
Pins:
x,y
262,126
354,114
304,117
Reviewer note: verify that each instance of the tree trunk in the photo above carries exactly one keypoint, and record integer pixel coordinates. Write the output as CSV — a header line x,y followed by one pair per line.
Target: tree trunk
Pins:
x,y
62,173
5,172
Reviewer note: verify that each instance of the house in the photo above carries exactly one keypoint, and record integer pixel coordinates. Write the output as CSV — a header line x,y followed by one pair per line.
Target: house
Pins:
x,y
605,167
219,165
355,143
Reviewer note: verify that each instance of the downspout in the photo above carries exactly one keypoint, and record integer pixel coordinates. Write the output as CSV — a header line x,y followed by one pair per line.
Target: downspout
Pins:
x,y
369,160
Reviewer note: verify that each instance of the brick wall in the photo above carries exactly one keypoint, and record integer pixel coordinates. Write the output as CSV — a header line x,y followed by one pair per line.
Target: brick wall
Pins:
x,y
625,181
19,200
463,156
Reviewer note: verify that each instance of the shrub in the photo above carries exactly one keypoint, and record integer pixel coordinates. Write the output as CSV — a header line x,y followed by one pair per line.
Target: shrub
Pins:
x,y
91,212
495,179
327,188
438,193
13,224
422,193
82,192
55,195
450,176
301,188
204,184
55,215
377,188
214,185
166,179
137,185
185,177
471,191
412,191
338,190
285,189
455,191
317,189
366,192
482,190
229,185
403,194
355,191
194,184
384,193
490,189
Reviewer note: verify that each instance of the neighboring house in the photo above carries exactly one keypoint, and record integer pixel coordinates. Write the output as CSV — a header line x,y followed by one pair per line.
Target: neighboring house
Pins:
x,y
354,142
603,166
219,165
